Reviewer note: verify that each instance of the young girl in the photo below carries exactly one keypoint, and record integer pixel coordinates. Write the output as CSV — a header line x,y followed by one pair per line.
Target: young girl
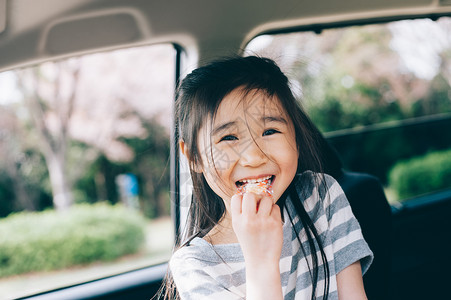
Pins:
x,y
264,222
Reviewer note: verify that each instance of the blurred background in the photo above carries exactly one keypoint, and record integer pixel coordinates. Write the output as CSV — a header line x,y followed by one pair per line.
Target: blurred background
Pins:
x,y
84,168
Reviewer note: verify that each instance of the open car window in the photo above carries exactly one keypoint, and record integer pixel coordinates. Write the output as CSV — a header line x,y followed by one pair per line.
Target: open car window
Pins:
x,y
84,168
381,95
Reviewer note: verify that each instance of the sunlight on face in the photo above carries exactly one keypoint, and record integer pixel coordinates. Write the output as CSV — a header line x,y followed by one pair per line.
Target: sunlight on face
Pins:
x,y
250,138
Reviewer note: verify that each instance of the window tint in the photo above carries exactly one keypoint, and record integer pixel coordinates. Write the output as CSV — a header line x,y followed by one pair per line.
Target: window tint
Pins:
x,y
84,168
381,95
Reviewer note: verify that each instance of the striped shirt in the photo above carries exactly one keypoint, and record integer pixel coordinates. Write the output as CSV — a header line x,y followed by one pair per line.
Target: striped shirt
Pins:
x,y
204,271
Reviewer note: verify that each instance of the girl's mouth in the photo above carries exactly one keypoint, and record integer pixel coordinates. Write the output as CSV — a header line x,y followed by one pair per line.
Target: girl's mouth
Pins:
x,y
261,185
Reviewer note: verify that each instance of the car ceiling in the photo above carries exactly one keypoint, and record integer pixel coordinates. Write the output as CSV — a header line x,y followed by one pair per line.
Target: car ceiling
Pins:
x,y
37,30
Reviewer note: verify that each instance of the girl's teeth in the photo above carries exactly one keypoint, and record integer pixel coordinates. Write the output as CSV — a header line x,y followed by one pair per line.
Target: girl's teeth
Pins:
x,y
255,180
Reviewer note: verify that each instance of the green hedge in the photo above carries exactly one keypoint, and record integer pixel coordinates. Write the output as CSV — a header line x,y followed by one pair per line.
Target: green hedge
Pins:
x,y
422,174
49,240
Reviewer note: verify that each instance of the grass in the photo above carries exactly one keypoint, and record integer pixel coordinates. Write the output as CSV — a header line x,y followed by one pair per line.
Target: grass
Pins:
x,y
159,240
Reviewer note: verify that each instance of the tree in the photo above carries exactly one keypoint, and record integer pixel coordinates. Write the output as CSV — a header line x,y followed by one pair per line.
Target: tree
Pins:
x,y
89,107
11,150
50,91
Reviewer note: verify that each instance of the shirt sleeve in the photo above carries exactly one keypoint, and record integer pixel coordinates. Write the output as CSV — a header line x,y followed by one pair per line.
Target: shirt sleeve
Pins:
x,y
348,243
193,281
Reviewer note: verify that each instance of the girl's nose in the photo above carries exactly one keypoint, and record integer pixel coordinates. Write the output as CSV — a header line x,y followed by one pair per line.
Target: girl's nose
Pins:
x,y
252,155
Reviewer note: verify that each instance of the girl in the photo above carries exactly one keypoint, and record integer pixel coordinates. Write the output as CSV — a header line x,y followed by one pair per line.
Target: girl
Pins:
x,y
264,221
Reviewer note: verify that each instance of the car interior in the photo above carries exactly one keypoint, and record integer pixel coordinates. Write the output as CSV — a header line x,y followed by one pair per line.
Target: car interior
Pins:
x,y
410,238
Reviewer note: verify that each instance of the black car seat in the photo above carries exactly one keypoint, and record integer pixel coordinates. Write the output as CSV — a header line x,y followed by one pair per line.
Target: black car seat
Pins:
x,y
371,208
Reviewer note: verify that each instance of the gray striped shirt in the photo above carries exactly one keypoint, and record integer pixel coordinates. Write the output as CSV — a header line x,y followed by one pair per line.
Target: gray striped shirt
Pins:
x,y
203,271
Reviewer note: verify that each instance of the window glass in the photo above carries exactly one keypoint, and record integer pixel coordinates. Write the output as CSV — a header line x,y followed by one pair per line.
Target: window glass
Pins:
x,y
84,168
381,95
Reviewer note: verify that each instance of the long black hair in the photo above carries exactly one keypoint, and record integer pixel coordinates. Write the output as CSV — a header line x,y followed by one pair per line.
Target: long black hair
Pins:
x,y
197,100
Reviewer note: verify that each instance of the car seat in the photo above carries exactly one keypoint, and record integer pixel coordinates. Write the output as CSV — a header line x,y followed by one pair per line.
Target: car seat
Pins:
x,y
371,208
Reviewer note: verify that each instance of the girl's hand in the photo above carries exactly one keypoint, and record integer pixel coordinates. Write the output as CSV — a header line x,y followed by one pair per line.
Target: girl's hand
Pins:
x,y
257,223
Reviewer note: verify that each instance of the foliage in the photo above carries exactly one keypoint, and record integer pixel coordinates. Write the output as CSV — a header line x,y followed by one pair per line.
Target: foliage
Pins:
x,y
358,78
64,125
150,164
437,99
35,241
340,111
6,196
421,174
363,82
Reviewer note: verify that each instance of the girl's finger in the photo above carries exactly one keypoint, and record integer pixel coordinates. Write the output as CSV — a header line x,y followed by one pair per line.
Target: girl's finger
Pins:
x,y
275,212
235,204
265,206
249,203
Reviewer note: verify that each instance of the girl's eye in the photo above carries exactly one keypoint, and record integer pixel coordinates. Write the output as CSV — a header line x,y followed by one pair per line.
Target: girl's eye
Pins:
x,y
270,132
228,138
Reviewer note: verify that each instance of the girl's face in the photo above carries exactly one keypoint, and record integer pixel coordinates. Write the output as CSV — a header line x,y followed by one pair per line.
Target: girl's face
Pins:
x,y
251,138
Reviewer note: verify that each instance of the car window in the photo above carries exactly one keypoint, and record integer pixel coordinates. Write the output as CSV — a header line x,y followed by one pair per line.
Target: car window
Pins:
x,y
84,168
381,95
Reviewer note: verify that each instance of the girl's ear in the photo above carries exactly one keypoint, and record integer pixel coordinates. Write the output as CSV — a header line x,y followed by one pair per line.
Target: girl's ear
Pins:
x,y
184,150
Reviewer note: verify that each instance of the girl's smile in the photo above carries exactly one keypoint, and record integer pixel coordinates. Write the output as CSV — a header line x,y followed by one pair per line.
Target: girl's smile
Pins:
x,y
250,139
